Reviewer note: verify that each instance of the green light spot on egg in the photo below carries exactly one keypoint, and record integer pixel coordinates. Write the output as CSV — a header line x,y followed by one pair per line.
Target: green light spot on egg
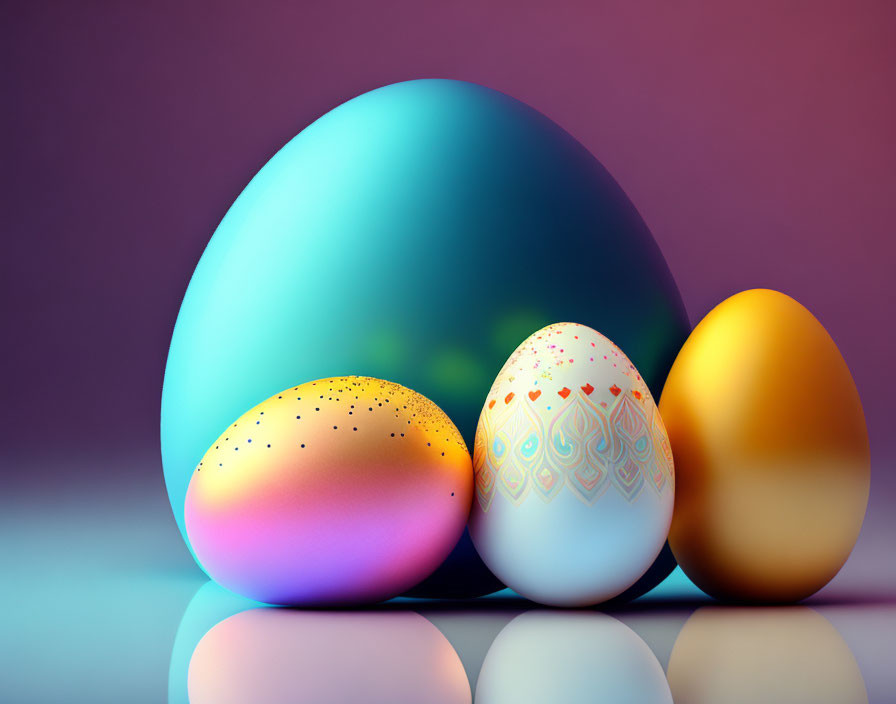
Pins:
x,y
458,372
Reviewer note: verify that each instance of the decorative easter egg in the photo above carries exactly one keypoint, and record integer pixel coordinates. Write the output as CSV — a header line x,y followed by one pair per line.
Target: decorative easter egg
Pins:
x,y
574,475
336,491
416,233
283,655
544,656
771,450
772,655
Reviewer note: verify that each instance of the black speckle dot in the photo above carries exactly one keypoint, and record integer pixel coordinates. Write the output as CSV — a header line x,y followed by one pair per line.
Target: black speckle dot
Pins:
x,y
393,435
269,444
316,409
354,428
334,427
298,417
303,444
249,440
452,493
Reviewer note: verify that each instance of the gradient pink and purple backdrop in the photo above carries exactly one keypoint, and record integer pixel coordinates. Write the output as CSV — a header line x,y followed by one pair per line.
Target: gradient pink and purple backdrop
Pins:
x,y
756,139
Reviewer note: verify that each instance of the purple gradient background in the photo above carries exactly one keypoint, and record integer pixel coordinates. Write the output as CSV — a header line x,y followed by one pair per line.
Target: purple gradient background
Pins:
x,y
757,139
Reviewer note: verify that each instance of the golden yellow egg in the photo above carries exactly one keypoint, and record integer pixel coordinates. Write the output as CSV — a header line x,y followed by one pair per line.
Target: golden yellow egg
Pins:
x,y
771,451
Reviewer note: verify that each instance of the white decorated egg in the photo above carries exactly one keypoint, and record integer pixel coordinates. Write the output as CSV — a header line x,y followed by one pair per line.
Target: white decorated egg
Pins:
x,y
574,474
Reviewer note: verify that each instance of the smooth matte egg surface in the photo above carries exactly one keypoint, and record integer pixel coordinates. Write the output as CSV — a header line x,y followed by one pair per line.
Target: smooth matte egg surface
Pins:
x,y
416,233
574,474
340,490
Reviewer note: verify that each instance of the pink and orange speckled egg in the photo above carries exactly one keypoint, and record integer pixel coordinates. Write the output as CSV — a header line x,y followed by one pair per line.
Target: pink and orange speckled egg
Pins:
x,y
338,491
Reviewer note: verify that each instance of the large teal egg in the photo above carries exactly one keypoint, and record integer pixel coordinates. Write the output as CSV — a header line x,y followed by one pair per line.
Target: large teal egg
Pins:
x,y
417,233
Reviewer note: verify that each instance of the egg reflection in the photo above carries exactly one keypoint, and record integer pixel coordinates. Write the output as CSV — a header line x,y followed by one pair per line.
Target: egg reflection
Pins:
x,y
277,655
762,655
543,656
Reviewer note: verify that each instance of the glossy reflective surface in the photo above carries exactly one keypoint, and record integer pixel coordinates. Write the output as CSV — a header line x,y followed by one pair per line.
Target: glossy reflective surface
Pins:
x,y
272,655
99,606
789,654
511,651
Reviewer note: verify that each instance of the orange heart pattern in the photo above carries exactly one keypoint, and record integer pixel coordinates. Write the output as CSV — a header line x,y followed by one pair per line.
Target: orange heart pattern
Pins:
x,y
575,413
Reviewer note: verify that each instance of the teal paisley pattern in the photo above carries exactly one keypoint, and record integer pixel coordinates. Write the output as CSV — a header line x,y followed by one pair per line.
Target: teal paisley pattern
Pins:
x,y
582,445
